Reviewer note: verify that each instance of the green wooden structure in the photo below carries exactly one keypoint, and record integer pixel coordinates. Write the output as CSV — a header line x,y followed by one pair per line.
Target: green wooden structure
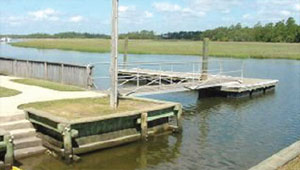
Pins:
x,y
6,151
72,137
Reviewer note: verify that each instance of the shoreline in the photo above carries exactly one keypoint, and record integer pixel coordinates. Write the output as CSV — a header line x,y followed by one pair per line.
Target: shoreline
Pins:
x,y
240,50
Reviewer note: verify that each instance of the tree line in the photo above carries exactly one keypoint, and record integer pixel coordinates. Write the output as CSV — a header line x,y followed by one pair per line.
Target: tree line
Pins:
x,y
282,31
60,35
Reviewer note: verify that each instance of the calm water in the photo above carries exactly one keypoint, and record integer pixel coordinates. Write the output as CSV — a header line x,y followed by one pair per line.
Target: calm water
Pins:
x,y
218,133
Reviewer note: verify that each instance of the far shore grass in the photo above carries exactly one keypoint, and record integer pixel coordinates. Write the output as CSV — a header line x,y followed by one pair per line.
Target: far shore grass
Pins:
x,y
87,107
168,47
293,165
48,84
5,92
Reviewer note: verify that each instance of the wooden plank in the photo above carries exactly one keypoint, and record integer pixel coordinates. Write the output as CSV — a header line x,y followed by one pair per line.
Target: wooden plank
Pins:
x,y
144,125
152,118
204,75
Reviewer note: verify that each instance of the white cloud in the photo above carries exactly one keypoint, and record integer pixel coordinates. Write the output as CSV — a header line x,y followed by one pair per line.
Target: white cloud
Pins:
x,y
285,13
148,14
45,14
209,5
247,16
124,9
131,15
297,7
267,11
166,7
226,11
177,9
76,19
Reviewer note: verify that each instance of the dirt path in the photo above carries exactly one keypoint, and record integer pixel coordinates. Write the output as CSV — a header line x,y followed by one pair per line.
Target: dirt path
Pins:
x,y
9,105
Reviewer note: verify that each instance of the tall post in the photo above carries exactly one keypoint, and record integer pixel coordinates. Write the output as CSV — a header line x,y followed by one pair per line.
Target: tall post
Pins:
x,y
125,51
114,56
205,59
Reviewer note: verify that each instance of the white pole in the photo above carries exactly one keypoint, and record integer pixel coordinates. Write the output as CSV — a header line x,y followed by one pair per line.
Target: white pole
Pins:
x,y
114,56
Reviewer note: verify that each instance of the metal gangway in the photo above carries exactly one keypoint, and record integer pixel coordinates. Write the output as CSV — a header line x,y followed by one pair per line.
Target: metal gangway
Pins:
x,y
142,78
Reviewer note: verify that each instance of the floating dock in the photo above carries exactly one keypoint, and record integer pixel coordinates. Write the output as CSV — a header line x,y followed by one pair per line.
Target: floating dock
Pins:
x,y
145,82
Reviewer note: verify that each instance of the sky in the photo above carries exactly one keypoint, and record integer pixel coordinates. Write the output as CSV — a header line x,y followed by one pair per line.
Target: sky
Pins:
x,y
161,16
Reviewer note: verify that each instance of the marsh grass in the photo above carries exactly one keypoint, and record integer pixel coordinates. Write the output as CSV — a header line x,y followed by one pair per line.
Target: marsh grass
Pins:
x,y
218,49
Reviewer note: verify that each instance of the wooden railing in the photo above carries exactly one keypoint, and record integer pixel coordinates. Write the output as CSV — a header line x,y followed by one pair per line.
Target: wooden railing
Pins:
x,y
71,74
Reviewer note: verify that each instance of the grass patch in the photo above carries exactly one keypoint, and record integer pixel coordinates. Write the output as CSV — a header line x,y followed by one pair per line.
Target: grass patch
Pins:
x,y
48,84
87,107
293,165
219,49
5,92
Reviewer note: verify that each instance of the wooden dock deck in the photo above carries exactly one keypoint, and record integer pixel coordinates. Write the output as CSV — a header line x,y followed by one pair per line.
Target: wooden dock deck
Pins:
x,y
145,82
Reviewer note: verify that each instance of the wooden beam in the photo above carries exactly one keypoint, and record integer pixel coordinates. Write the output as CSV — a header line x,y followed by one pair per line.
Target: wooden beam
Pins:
x,y
125,51
205,59
114,56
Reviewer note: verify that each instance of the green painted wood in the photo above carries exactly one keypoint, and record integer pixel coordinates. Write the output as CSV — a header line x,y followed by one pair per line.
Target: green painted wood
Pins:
x,y
105,126
44,125
42,120
149,119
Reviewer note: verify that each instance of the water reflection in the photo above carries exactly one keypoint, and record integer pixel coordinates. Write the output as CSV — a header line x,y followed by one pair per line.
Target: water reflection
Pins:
x,y
139,155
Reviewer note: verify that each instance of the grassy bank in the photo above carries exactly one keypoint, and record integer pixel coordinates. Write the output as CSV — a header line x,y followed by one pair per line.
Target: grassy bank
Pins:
x,y
219,49
5,92
87,107
47,84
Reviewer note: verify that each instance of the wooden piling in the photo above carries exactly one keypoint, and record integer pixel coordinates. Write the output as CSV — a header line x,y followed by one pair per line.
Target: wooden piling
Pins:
x,y
68,148
205,59
9,156
144,126
89,72
178,108
125,51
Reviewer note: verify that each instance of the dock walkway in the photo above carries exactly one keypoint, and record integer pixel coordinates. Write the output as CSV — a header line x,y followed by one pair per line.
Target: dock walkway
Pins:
x,y
144,81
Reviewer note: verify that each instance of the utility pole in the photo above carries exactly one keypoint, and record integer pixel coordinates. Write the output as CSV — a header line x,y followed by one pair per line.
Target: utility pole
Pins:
x,y
114,56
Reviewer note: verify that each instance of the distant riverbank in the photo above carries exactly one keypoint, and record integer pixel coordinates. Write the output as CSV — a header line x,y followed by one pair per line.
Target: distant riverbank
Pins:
x,y
218,49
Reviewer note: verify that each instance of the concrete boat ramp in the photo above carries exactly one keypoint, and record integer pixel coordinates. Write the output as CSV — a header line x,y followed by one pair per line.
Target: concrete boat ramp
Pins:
x,y
143,82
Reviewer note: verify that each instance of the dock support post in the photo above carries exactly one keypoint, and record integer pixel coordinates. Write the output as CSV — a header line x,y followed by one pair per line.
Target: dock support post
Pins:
x,y
179,118
205,59
89,72
125,52
144,125
68,148
9,156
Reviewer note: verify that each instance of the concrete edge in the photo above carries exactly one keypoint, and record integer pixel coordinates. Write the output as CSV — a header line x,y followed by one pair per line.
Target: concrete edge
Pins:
x,y
279,159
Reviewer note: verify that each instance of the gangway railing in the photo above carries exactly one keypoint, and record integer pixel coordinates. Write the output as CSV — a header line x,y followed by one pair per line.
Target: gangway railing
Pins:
x,y
139,75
